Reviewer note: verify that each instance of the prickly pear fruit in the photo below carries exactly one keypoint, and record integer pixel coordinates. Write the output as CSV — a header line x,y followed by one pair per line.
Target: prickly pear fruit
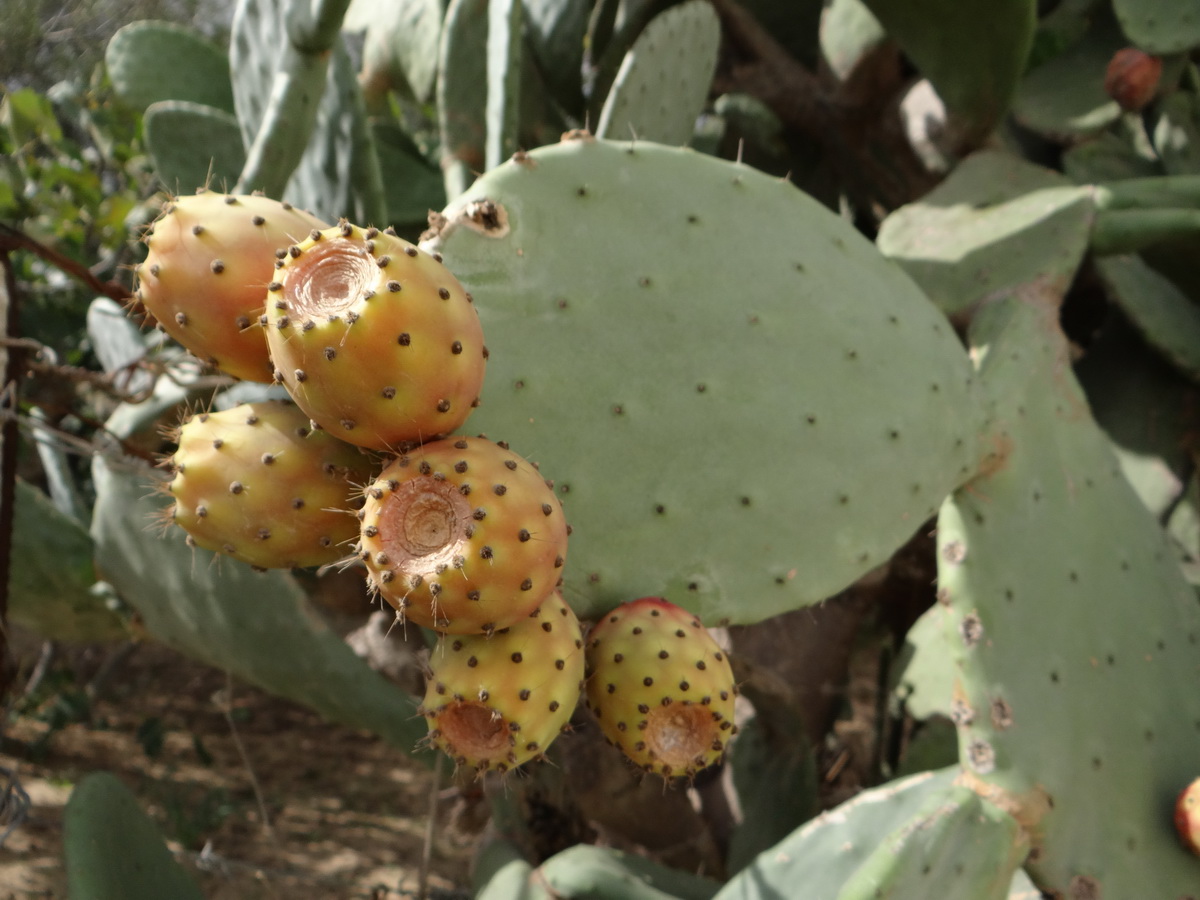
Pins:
x,y
1132,78
660,686
257,483
1187,816
496,701
463,535
374,339
211,257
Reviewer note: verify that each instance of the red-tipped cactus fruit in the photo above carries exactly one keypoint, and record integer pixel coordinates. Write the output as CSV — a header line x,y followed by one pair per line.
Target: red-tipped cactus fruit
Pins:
x,y
496,701
1132,78
376,340
661,688
463,535
257,483
1187,816
211,258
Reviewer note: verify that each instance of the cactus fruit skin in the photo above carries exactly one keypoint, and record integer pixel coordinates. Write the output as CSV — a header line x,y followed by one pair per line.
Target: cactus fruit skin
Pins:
x,y
463,535
376,340
257,483
1187,817
1132,78
496,701
661,688
211,257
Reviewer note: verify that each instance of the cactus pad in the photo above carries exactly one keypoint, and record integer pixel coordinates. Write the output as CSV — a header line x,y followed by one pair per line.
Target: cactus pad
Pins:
x,y
1159,26
498,700
463,536
664,79
149,61
712,366
1090,645
376,341
919,837
257,483
660,687
974,56
994,223
1165,316
193,146
113,849
204,279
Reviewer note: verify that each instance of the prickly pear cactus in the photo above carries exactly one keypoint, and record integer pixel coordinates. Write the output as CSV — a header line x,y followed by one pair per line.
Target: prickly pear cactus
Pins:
x,y
660,687
911,839
257,483
211,256
724,378
463,536
498,700
113,849
662,84
1076,667
376,340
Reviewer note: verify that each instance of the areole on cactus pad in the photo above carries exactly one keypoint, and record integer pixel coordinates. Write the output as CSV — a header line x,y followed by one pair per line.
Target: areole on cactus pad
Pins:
x,y
211,257
375,339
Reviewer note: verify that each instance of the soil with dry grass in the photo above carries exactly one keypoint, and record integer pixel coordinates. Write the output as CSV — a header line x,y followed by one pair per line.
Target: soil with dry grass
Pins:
x,y
304,808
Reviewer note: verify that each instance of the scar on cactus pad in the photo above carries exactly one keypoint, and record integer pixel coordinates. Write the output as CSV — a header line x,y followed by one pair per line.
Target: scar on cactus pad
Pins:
x,y
257,483
462,535
496,701
376,340
661,688
210,258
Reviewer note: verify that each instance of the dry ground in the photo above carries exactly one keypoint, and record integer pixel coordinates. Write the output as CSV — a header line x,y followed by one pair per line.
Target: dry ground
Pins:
x,y
347,813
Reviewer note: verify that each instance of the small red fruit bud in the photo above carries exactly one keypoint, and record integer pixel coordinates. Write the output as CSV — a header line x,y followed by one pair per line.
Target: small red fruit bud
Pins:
x,y
1132,78
1187,817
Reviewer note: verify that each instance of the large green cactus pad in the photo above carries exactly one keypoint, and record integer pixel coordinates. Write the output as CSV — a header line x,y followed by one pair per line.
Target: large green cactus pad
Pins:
x,y
149,61
997,222
1075,635
743,406
924,836
193,146
50,582
607,874
664,79
1159,26
972,54
462,89
1064,96
113,849
258,626
1166,317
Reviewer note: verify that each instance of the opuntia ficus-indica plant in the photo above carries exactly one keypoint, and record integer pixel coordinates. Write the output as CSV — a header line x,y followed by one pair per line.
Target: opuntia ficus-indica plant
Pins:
x,y
860,341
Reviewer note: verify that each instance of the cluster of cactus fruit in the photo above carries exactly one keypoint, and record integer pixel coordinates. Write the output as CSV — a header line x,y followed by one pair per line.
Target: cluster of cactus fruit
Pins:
x,y
381,352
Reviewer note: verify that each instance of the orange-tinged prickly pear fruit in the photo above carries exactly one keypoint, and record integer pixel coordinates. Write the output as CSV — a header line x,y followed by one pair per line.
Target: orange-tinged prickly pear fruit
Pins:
x,y
661,688
211,258
375,339
462,535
